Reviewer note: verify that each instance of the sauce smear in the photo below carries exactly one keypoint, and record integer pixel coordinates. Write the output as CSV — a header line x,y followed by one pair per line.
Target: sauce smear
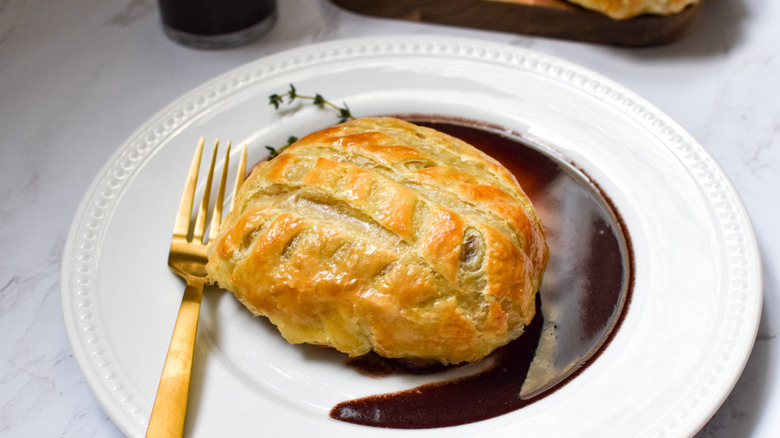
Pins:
x,y
584,294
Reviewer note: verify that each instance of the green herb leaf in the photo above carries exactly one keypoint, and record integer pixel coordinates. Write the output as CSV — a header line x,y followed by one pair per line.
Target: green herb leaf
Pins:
x,y
345,113
272,152
277,99
292,93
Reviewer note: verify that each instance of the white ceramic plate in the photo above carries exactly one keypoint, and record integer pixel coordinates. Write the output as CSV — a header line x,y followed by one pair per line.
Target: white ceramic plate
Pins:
x,y
686,337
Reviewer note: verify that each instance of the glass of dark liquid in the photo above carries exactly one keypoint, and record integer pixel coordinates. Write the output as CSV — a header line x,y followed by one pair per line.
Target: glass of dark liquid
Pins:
x,y
217,24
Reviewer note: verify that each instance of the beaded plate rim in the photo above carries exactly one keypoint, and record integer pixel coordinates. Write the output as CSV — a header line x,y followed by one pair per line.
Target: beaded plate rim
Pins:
x,y
81,255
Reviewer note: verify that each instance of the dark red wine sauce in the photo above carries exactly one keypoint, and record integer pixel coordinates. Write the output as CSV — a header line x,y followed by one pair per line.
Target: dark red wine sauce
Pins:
x,y
584,294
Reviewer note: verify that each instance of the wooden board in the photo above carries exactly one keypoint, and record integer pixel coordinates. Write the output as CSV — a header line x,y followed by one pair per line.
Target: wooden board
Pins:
x,y
548,18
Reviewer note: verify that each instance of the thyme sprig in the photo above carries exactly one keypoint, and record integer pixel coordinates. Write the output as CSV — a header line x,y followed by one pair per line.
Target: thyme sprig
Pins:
x,y
273,152
292,94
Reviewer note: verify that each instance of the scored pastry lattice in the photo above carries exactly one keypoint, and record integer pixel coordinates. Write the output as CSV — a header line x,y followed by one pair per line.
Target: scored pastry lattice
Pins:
x,y
382,235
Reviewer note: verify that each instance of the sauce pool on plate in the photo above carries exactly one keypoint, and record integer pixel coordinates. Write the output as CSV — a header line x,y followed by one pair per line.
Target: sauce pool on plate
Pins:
x,y
585,292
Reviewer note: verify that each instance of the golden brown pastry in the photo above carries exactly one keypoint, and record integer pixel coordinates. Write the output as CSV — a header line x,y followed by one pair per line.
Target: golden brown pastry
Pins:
x,y
378,234
622,9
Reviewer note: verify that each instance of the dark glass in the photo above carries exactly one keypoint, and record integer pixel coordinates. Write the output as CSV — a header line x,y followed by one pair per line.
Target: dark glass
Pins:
x,y
217,24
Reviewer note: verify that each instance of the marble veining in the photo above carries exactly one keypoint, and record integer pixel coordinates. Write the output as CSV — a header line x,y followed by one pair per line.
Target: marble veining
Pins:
x,y
78,77
134,10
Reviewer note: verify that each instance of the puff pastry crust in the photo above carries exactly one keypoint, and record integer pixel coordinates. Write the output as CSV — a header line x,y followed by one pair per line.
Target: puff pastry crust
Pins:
x,y
378,234
623,9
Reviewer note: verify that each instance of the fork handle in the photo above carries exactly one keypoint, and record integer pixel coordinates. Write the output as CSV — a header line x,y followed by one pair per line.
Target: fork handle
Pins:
x,y
170,404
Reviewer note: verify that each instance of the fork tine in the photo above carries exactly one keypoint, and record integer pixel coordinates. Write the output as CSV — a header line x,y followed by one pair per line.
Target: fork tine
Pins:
x,y
188,258
240,175
200,220
216,217
182,225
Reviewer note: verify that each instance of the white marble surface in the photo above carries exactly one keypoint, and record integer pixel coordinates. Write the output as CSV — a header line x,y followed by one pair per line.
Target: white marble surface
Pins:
x,y
77,77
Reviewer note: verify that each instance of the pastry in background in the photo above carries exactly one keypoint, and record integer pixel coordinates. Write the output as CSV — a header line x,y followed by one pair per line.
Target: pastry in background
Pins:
x,y
623,9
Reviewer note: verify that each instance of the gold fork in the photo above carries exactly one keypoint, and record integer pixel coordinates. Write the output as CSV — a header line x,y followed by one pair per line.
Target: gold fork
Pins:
x,y
187,258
